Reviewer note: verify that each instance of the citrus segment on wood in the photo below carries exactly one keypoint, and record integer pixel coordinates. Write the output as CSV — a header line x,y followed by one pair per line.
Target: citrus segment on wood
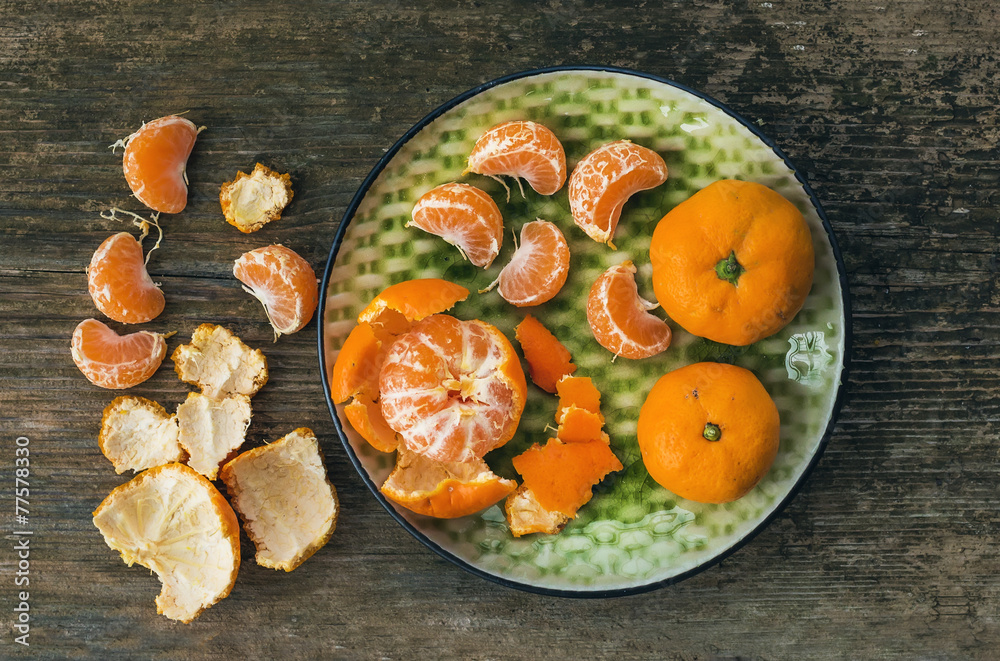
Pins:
x,y
620,318
605,179
114,361
524,150
453,390
119,283
173,521
444,490
283,282
538,268
465,217
548,359
155,162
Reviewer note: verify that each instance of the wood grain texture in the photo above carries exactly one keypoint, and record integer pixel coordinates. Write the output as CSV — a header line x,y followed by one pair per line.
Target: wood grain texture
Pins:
x,y
890,550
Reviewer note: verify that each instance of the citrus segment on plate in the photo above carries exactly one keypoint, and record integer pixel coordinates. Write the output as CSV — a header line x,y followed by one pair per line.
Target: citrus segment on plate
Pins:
x,y
282,493
444,490
119,283
114,361
733,263
539,267
173,521
211,429
137,433
283,282
620,319
251,201
548,358
709,432
605,179
220,363
453,390
524,150
465,217
155,162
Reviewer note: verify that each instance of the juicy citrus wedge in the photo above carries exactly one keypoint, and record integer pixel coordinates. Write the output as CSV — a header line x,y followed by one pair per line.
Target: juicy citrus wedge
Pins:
x,y
620,318
137,433
119,283
211,429
465,217
524,150
562,475
445,490
365,415
283,282
411,300
220,364
548,359
538,268
282,493
605,179
708,432
453,390
251,201
173,521
114,361
155,161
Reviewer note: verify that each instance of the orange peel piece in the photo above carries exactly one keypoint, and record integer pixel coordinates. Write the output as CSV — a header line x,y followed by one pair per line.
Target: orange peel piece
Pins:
x,y
580,425
415,299
562,475
578,391
365,415
251,201
548,359
137,433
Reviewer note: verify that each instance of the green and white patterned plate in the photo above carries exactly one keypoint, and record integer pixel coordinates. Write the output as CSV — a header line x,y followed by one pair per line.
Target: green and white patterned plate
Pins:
x,y
634,535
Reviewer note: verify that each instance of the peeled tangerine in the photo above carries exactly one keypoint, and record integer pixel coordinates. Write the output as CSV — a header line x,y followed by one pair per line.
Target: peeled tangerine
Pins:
x,y
283,282
288,506
251,201
114,361
155,162
220,364
173,521
137,433
119,283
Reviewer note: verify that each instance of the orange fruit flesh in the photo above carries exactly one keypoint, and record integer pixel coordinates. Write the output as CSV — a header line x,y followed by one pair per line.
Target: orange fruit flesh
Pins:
x,y
580,425
365,415
465,217
672,427
548,359
579,392
522,149
562,475
155,160
283,282
414,300
444,490
605,179
119,283
452,389
116,361
620,319
538,268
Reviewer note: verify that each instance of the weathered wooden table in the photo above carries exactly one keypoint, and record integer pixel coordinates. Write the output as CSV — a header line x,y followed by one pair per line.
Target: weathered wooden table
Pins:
x,y
890,550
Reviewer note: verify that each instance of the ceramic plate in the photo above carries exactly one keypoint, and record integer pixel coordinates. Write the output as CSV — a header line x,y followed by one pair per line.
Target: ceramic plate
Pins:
x,y
634,535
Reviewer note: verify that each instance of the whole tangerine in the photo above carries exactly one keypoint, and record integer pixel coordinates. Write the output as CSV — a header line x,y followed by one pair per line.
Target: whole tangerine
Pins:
x,y
733,263
708,432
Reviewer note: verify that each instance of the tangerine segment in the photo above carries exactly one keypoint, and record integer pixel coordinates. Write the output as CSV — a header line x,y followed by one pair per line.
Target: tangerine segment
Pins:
x,y
155,161
580,425
119,283
465,217
365,415
173,521
733,263
538,268
708,432
445,490
561,475
605,179
453,390
620,318
548,359
283,282
412,300
358,364
114,361
579,392
522,149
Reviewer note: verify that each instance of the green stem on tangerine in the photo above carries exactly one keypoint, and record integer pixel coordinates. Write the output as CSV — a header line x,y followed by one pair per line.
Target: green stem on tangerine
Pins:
x,y
729,269
712,432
